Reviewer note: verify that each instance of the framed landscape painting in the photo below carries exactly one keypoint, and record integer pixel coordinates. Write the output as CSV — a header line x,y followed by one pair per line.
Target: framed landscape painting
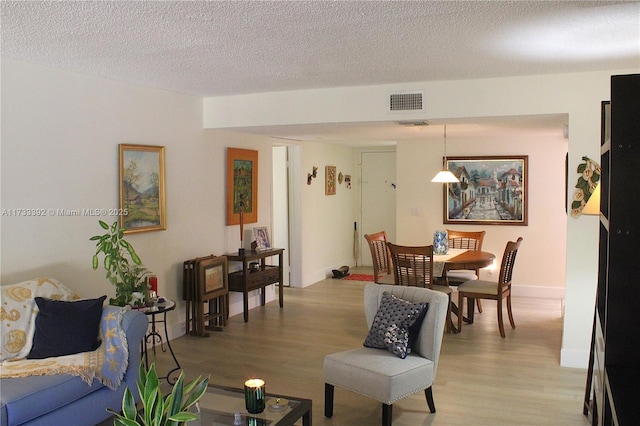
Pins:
x,y
492,190
242,185
142,194
212,277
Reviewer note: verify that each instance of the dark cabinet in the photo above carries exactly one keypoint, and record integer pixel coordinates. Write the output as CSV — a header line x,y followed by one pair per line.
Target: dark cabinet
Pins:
x,y
613,382
249,279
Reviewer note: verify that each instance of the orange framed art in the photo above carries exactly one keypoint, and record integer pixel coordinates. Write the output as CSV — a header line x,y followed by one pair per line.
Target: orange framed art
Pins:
x,y
242,185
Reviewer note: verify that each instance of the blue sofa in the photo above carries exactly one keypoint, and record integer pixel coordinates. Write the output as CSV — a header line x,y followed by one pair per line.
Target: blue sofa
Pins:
x,y
67,400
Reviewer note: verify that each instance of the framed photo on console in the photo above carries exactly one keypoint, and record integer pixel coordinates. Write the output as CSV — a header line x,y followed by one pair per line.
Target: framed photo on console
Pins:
x,y
261,235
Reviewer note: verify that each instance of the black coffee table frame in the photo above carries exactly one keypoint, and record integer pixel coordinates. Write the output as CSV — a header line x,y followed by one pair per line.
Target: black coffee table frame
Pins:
x,y
300,408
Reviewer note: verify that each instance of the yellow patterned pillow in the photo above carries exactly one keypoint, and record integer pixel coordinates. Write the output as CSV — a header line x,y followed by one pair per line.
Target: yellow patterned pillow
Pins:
x,y
19,310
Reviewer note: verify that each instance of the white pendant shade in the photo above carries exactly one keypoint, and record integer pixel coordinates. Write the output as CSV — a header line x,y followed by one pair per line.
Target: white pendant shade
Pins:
x,y
445,176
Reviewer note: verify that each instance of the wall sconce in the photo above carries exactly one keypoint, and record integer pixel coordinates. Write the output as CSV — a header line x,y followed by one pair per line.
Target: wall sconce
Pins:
x,y
312,175
593,205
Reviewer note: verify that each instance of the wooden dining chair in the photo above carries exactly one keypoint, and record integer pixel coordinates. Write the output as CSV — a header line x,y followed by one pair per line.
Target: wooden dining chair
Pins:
x,y
380,256
470,240
413,267
481,289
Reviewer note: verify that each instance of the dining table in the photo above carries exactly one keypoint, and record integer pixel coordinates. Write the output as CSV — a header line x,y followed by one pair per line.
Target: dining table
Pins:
x,y
459,259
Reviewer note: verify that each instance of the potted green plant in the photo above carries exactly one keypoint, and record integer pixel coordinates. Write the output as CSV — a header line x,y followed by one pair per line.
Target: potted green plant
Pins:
x,y
123,265
156,409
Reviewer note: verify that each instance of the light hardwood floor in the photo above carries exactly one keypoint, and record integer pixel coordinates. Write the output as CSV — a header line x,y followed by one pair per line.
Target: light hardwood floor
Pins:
x,y
482,379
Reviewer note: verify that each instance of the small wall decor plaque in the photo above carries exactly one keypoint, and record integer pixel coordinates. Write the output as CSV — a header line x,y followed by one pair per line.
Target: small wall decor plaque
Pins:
x,y
330,183
312,175
589,178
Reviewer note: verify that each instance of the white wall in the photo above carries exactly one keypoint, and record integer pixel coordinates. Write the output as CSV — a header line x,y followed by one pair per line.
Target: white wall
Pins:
x,y
60,133
327,220
545,234
60,136
578,95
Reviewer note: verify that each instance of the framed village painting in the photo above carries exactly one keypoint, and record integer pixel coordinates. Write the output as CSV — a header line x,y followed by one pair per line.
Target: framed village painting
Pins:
x,y
242,185
492,190
142,194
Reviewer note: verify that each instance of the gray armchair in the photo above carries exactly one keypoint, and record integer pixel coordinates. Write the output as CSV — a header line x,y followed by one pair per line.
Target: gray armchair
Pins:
x,y
381,375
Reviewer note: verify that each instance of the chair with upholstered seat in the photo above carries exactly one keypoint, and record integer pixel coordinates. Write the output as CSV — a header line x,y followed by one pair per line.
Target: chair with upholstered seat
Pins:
x,y
413,266
480,289
379,373
380,257
469,240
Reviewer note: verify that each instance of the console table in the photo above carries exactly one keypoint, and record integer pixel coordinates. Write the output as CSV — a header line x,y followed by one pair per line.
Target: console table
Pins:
x,y
247,280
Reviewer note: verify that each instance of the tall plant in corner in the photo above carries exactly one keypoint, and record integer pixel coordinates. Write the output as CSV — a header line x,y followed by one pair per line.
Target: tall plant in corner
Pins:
x,y
123,265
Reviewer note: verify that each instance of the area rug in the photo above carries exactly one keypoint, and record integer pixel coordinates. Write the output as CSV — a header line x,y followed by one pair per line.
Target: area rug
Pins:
x,y
359,277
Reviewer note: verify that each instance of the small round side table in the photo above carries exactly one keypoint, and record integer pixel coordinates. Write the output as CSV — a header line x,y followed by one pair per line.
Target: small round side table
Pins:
x,y
154,337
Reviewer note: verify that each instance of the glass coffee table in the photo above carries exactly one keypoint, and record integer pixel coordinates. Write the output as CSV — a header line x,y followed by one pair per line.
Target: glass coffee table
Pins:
x,y
225,406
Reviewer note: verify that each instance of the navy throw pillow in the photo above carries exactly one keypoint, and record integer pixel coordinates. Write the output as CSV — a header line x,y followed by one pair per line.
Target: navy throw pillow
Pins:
x,y
66,327
390,328
414,329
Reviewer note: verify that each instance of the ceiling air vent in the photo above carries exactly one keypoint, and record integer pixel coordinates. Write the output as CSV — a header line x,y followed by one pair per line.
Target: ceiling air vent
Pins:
x,y
405,102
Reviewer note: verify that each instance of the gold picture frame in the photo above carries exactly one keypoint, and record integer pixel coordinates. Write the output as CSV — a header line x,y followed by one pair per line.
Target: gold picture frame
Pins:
x,y
242,185
142,188
330,182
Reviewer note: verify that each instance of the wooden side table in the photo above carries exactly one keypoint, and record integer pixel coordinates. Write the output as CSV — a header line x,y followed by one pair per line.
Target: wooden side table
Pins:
x,y
246,280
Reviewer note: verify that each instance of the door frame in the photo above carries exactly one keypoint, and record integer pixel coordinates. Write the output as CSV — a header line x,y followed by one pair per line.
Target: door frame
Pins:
x,y
363,250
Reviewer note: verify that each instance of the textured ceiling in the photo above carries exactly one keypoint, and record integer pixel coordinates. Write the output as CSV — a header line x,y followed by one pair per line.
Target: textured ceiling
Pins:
x,y
218,48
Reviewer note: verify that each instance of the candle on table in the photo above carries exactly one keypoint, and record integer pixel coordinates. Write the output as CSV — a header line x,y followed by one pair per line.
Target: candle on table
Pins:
x,y
153,283
254,396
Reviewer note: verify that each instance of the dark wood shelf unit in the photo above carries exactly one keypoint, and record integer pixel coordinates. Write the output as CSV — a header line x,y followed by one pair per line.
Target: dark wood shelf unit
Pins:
x,y
613,379
246,280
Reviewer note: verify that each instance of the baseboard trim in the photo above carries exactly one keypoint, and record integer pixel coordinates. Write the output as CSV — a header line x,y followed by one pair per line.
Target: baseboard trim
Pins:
x,y
538,292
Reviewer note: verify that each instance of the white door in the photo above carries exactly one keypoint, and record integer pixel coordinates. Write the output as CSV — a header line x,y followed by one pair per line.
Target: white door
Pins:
x,y
378,199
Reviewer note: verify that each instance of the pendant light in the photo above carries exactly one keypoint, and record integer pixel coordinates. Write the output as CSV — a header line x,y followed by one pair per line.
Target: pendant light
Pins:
x,y
444,175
